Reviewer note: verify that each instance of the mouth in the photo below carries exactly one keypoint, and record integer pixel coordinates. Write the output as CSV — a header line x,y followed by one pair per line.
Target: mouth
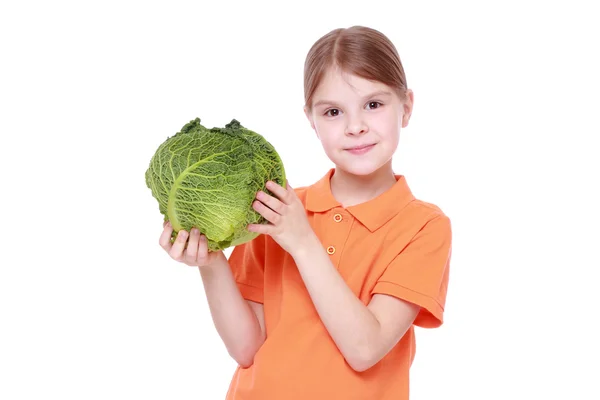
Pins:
x,y
361,149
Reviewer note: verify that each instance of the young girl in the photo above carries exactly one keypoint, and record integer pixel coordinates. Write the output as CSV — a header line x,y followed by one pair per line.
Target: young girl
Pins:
x,y
323,304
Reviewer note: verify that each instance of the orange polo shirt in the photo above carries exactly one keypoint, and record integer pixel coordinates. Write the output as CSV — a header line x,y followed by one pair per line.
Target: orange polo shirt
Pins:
x,y
393,244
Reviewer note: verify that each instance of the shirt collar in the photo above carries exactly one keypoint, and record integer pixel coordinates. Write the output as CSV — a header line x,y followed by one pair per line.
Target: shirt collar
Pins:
x,y
373,214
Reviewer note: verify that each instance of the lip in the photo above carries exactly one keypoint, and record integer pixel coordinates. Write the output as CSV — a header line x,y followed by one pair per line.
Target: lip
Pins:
x,y
360,149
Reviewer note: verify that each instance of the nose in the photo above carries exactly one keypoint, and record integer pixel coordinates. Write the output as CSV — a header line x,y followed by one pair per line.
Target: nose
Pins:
x,y
356,126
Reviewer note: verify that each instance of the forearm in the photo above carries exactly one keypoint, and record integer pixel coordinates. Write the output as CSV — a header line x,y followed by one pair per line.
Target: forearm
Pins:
x,y
234,320
353,327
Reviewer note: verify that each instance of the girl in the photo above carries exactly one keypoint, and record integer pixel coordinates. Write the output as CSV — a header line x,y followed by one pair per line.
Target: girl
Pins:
x,y
323,304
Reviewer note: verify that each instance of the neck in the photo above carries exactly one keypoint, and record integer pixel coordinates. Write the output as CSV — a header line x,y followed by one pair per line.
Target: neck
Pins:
x,y
350,189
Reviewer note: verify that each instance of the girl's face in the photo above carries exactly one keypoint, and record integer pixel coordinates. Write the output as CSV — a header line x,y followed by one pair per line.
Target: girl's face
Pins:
x,y
358,121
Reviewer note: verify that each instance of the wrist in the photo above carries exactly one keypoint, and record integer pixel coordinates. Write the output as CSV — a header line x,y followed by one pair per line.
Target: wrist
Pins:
x,y
306,247
218,261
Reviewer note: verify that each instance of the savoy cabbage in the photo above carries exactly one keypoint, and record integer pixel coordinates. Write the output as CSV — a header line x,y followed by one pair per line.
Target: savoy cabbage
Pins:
x,y
208,179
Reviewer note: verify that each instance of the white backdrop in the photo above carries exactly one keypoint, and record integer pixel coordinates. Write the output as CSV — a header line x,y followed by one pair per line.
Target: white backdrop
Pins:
x,y
503,137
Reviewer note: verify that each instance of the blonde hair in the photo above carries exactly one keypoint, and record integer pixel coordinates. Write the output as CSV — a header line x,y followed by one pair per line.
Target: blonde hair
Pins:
x,y
359,50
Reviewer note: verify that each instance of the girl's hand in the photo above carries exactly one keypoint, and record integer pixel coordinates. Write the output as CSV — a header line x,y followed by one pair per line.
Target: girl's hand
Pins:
x,y
195,254
288,225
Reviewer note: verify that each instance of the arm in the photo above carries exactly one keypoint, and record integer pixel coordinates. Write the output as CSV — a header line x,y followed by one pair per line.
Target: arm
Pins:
x,y
363,334
239,322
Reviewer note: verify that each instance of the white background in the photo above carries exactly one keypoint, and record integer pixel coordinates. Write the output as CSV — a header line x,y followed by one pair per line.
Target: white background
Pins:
x,y
503,137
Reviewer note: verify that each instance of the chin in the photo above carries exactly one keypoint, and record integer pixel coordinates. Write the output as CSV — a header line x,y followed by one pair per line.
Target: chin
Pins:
x,y
362,168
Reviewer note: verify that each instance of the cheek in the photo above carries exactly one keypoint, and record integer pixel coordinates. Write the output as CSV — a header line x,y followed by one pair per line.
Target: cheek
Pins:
x,y
328,143
389,128
326,133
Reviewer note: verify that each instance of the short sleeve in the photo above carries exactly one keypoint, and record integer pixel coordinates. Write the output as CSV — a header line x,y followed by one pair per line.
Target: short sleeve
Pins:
x,y
419,273
247,262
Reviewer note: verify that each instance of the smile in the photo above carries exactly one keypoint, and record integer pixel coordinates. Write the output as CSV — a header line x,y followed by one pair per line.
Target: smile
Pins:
x,y
360,149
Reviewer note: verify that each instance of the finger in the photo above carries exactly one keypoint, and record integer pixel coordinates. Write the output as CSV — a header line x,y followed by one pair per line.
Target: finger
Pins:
x,y
281,193
278,191
192,247
290,192
266,212
176,251
263,229
202,249
165,237
271,202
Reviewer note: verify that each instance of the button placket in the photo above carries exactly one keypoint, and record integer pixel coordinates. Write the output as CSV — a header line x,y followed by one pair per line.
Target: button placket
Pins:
x,y
331,249
340,226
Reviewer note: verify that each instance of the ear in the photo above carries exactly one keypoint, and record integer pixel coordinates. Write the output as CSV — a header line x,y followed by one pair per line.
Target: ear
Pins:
x,y
307,113
408,107
310,120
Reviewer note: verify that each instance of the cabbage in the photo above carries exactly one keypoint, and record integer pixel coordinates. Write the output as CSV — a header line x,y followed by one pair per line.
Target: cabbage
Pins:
x,y
208,179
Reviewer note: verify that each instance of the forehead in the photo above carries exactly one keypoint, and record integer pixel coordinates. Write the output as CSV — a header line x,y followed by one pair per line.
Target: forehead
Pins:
x,y
340,84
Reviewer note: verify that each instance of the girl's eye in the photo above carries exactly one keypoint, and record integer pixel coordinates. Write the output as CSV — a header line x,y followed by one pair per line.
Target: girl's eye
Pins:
x,y
374,104
334,112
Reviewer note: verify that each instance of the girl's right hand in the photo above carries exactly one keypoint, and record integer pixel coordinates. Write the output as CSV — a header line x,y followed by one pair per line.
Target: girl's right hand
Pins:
x,y
195,254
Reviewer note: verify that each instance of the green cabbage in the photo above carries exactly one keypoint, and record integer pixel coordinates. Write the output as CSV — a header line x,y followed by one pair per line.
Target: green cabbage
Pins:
x,y
208,179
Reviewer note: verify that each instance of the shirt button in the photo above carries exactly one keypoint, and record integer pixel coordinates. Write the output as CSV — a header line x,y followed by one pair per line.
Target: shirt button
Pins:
x,y
337,217
330,250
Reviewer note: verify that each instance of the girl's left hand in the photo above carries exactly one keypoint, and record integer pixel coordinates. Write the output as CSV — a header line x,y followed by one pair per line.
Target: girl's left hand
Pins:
x,y
288,224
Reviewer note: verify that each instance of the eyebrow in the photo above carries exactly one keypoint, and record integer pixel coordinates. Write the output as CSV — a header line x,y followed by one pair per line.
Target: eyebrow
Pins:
x,y
377,93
